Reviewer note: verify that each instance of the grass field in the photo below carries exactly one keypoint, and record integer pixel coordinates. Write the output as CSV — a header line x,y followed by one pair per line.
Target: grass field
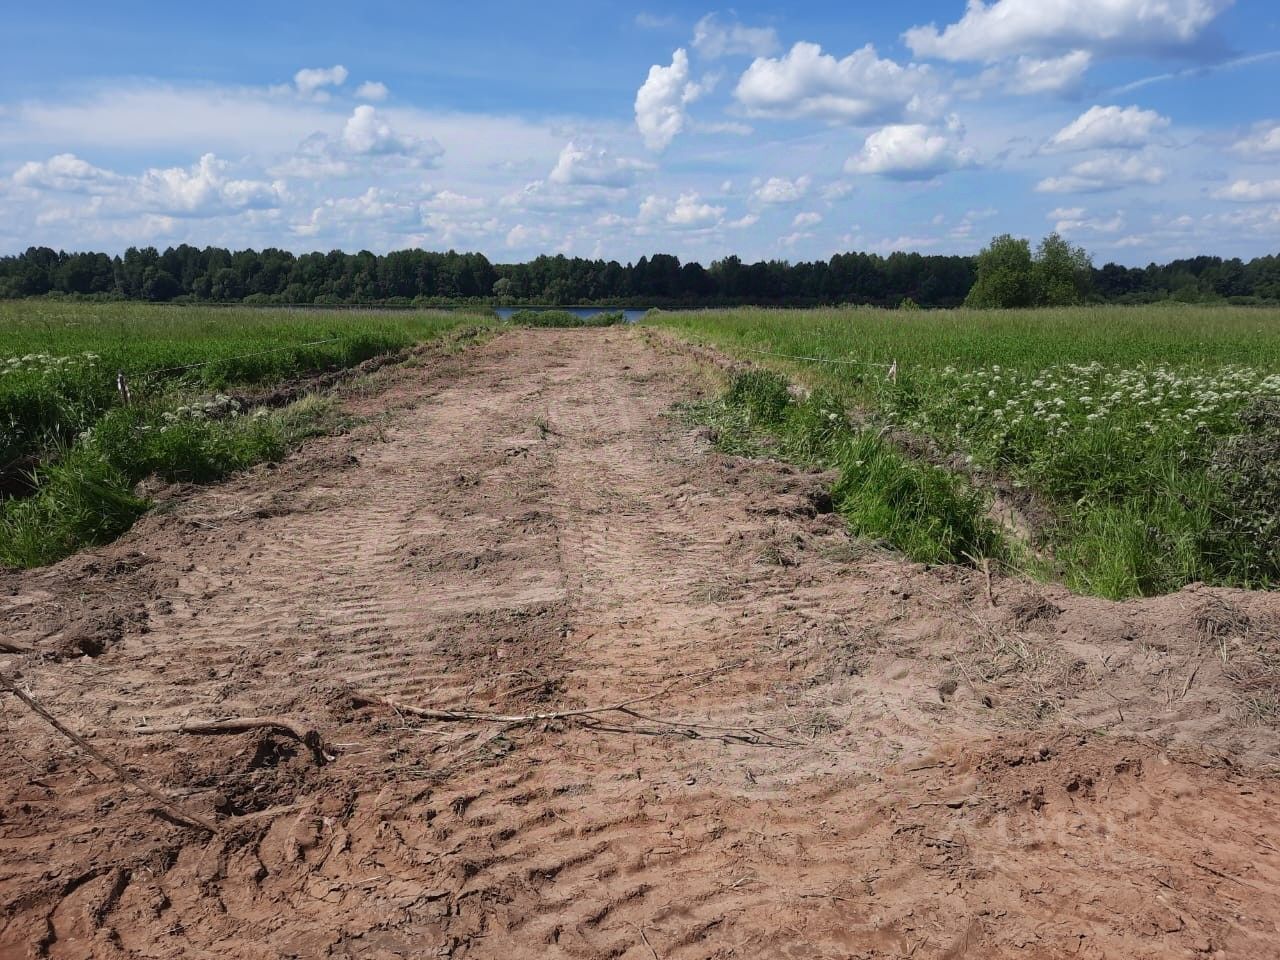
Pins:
x,y
71,451
1145,434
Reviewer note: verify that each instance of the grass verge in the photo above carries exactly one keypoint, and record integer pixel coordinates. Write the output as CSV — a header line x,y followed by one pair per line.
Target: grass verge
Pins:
x,y
84,452
928,513
1130,427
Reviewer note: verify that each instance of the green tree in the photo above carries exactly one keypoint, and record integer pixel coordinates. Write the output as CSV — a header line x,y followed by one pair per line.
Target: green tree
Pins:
x,y
1063,273
1005,275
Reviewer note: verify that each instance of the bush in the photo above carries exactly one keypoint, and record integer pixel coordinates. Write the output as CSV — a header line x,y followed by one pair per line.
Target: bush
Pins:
x,y
564,318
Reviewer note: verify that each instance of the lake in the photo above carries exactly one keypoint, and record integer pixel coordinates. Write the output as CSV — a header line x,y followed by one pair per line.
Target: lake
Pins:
x,y
632,315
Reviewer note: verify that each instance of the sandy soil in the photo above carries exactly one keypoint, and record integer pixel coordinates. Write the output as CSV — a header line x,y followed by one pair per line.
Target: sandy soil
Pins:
x,y
840,754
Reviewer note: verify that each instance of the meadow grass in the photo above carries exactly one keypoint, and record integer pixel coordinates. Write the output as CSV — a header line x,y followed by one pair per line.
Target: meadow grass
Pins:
x,y
1110,416
63,422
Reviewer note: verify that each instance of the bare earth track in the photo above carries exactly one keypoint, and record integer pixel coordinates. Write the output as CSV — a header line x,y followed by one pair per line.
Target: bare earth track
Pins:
x,y
868,758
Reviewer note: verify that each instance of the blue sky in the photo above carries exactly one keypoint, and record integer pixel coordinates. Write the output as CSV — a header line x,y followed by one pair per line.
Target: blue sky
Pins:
x,y
1142,129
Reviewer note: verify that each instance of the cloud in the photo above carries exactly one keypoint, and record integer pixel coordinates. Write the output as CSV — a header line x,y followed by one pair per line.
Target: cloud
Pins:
x,y
366,136
1006,28
1075,220
687,210
651,21
1263,141
205,189
782,190
661,101
715,38
1030,75
372,90
367,133
384,207
311,81
809,219
1108,127
910,151
595,166
1104,173
66,173
449,200
861,88
1250,191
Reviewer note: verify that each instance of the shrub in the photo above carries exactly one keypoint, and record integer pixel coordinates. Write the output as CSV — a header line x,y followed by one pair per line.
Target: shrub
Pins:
x,y
565,318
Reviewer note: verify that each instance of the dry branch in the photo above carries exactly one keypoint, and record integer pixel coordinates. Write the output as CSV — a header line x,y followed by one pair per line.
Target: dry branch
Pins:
x,y
589,716
10,646
304,735
115,767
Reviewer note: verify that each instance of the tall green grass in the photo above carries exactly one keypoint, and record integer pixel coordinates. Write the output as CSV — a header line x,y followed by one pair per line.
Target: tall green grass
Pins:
x,y
64,423
1110,416
929,514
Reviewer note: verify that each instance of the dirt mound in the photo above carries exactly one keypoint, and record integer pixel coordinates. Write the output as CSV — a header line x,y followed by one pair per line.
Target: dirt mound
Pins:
x,y
820,750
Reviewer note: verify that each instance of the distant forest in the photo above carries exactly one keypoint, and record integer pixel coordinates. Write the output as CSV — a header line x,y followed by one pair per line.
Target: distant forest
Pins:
x,y
408,277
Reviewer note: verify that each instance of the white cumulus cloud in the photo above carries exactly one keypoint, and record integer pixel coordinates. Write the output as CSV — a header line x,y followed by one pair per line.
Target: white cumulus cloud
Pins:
x,y
1108,127
782,190
807,219
1005,28
203,189
311,81
595,166
687,210
662,99
66,173
1031,75
910,151
372,90
1250,191
1263,141
1104,173
860,88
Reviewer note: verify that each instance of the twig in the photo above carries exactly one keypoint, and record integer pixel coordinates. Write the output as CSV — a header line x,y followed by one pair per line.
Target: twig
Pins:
x,y
115,767
645,938
9,646
1219,873
586,714
363,700
304,735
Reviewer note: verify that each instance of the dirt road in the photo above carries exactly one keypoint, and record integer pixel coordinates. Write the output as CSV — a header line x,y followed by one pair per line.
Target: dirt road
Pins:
x,y
834,753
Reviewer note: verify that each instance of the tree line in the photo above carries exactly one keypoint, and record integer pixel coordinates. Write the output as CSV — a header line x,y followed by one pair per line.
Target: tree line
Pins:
x,y
1057,273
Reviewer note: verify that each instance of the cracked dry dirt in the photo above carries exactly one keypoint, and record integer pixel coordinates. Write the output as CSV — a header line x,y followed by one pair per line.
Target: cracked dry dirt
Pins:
x,y
523,527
